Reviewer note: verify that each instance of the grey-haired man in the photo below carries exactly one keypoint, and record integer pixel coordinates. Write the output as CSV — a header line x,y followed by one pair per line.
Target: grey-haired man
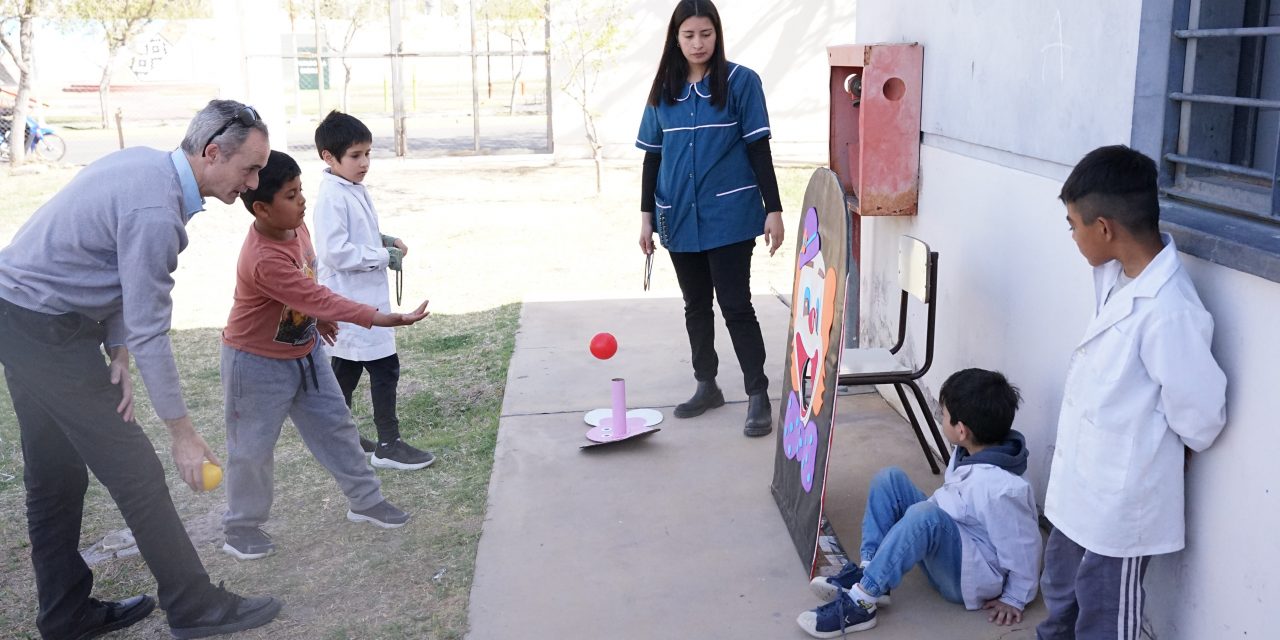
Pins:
x,y
84,284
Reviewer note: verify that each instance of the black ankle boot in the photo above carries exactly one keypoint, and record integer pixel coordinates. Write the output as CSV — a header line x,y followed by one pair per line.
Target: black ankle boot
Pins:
x,y
707,396
759,416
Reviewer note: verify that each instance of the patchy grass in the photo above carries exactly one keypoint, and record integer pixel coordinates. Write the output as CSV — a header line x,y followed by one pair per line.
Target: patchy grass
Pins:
x,y
24,192
342,580
338,579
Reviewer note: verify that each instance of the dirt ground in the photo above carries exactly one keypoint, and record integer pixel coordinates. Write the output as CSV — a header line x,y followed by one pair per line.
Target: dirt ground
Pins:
x,y
483,232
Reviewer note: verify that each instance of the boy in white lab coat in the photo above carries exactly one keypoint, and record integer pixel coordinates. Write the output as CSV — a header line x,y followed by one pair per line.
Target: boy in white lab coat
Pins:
x,y
1141,389
976,538
353,257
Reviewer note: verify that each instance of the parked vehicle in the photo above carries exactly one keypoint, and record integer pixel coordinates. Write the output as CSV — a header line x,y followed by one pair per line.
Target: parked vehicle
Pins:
x,y
42,141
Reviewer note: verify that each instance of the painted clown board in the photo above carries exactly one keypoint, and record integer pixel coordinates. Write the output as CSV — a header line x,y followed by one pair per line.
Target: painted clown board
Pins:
x,y
814,345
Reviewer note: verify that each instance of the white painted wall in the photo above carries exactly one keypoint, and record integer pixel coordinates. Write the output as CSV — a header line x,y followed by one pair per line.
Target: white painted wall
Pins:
x,y
785,42
1014,94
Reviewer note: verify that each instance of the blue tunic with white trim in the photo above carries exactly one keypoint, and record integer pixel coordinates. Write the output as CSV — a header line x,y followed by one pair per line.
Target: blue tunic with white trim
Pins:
x,y
707,195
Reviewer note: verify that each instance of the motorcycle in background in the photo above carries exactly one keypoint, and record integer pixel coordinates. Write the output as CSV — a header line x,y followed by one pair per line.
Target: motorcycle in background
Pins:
x,y
42,141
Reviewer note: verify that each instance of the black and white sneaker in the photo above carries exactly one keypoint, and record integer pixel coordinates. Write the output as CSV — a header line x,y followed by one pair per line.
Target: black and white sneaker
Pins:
x,y
384,514
367,445
248,543
401,455
828,587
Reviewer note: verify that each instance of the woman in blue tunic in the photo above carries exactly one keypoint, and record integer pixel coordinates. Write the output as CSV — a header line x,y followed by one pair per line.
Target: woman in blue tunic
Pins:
x,y
708,182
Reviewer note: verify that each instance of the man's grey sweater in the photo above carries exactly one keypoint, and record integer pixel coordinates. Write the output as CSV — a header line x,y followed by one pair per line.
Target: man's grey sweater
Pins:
x,y
106,246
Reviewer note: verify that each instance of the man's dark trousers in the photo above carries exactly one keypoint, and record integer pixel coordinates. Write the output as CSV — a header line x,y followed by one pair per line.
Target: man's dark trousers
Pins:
x,y
66,408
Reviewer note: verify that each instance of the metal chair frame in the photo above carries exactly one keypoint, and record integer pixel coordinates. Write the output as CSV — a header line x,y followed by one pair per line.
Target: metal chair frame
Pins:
x,y
908,378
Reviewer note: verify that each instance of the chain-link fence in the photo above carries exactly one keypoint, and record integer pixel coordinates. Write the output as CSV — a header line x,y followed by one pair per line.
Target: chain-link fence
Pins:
x,y
448,108
465,86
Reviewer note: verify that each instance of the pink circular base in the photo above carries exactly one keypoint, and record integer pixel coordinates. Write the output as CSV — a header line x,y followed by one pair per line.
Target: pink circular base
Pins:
x,y
606,433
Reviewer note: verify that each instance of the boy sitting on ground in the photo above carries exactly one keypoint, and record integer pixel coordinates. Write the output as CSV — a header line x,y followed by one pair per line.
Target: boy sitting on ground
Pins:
x,y
976,538
274,366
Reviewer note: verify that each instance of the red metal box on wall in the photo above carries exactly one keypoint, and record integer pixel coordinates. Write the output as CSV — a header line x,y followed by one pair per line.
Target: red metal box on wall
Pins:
x,y
875,125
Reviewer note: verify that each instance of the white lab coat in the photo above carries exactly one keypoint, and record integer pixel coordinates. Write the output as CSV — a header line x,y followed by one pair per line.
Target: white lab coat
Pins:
x,y
995,512
1141,384
353,263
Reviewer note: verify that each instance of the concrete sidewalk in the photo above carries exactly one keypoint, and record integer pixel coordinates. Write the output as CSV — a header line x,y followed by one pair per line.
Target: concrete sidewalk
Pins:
x,y
677,535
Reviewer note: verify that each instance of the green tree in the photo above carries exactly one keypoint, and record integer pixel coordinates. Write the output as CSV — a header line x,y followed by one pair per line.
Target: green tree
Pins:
x,y
590,34
24,12
353,14
519,20
121,21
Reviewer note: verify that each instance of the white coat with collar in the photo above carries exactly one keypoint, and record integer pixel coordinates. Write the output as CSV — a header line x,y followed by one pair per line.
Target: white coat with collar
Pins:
x,y
352,262
1141,384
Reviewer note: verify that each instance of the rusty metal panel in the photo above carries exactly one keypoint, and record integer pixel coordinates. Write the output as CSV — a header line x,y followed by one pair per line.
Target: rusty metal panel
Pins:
x,y
875,125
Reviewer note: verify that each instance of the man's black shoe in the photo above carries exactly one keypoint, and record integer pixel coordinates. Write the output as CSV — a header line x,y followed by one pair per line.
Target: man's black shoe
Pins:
x,y
707,396
228,613
759,416
119,615
367,445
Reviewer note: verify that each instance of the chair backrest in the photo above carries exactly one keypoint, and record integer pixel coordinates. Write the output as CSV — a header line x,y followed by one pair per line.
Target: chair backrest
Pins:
x,y
913,268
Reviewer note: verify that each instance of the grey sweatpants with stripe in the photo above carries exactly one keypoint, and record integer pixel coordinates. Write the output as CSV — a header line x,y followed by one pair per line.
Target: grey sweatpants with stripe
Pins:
x,y
258,393
1090,596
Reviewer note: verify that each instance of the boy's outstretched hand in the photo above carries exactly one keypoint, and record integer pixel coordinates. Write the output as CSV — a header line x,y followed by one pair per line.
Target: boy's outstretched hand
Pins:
x,y
401,319
1003,614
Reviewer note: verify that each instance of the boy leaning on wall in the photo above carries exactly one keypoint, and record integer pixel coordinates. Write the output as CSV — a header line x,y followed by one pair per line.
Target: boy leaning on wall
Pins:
x,y
1142,388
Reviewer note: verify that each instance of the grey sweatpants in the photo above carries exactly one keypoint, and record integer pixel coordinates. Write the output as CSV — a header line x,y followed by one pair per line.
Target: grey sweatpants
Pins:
x,y
258,393
1090,596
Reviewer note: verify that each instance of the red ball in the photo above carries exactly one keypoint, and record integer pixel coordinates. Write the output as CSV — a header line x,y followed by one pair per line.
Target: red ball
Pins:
x,y
604,345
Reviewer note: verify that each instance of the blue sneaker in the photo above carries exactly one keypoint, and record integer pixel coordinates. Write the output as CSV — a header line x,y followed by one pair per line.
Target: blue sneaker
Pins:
x,y
838,617
828,587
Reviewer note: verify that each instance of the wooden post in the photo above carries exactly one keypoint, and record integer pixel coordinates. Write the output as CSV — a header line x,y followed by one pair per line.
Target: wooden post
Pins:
x,y
120,126
475,83
397,80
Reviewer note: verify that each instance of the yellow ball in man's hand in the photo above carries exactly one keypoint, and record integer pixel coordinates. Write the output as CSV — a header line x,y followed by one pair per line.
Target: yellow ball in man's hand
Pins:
x,y
212,476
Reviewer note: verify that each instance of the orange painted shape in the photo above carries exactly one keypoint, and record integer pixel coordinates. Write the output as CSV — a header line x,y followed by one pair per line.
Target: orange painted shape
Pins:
x,y
828,304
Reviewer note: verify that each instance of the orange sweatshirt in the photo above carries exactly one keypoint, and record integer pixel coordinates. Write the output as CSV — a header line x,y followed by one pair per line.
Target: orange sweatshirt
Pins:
x,y
277,300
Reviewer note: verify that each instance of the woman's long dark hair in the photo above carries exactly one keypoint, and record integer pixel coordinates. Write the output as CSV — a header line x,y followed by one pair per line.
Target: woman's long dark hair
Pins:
x,y
673,68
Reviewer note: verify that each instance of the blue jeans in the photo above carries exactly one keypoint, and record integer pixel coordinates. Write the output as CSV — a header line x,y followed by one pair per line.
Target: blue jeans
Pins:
x,y
902,528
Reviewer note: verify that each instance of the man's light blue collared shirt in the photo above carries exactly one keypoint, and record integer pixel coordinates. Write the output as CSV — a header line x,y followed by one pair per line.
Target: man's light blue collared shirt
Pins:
x,y
192,203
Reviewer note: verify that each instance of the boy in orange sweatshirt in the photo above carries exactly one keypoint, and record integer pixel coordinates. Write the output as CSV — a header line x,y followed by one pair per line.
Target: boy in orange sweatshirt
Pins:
x,y
274,365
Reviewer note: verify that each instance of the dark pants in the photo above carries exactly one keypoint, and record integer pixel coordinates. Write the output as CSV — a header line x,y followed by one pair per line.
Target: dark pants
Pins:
x,y
384,375
725,274
66,409
1090,596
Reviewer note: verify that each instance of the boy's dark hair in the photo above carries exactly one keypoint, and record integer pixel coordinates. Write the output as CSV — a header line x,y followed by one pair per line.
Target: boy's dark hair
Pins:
x,y
338,131
983,400
673,69
280,169
1117,183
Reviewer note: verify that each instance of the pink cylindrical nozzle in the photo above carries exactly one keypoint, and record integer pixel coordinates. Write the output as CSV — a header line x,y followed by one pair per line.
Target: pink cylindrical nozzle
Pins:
x,y
619,408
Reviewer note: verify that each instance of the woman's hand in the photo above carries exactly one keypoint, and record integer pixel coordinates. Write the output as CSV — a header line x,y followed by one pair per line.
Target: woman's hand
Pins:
x,y
646,233
773,231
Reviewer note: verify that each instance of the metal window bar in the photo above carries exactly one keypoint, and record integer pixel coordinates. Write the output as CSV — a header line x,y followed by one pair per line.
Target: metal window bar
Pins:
x,y
1182,158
